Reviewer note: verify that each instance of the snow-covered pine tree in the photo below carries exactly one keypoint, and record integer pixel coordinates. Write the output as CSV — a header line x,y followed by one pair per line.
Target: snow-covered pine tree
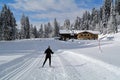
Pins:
x,y
46,31
117,6
112,24
85,21
95,19
107,6
50,30
67,24
97,27
1,28
101,13
92,14
101,27
35,32
25,27
56,28
13,27
7,24
77,24
104,22
31,31
118,18
41,31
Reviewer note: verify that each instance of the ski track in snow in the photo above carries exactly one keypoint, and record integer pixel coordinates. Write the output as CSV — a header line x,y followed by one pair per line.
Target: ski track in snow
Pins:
x,y
64,67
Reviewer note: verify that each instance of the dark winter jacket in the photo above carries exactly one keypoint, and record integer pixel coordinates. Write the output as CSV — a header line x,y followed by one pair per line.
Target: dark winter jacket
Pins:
x,y
48,52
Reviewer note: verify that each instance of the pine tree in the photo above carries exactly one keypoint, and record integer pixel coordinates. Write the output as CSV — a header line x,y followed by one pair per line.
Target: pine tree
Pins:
x,y
67,24
96,20
35,32
7,24
101,13
46,31
112,21
86,21
1,27
107,8
104,23
13,28
56,28
41,31
117,6
92,14
25,27
31,31
50,30
78,23
118,18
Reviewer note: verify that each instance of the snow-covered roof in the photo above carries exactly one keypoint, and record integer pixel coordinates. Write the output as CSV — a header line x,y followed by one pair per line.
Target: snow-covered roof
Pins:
x,y
77,31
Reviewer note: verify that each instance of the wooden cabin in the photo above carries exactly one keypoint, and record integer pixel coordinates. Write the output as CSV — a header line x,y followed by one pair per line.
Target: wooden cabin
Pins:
x,y
65,37
87,36
78,34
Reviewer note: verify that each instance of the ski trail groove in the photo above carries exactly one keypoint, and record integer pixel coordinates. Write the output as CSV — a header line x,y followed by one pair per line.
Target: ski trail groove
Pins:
x,y
61,66
58,67
10,68
27,69
17,70
27,62
70,70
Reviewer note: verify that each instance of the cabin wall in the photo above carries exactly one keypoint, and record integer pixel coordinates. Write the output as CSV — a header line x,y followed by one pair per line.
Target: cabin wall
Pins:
x,y
87,36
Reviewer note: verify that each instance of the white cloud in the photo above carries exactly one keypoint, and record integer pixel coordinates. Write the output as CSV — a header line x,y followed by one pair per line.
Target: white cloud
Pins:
x,y
35,5
60,16
49,9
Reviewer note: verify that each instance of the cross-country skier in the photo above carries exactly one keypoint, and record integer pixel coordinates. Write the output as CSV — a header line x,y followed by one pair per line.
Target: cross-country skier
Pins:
x,y
48,53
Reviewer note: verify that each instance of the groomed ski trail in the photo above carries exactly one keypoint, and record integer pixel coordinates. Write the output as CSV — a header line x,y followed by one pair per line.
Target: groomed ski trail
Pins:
x,y
65,66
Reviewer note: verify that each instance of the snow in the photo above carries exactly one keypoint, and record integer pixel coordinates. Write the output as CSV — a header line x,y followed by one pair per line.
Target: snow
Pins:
x,y
78,60
77,31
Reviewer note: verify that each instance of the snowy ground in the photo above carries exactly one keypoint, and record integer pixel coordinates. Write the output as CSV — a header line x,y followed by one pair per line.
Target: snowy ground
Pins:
x,y
78,60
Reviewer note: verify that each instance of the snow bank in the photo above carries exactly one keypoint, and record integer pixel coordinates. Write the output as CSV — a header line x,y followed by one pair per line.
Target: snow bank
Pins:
x,y
109,67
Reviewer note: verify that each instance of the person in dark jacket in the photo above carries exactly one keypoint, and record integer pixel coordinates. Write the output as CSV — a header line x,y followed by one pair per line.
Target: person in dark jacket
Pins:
x,y
48,53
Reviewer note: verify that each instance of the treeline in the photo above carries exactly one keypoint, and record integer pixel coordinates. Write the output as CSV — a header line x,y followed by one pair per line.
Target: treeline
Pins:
x,y
30,31
105,20
8,30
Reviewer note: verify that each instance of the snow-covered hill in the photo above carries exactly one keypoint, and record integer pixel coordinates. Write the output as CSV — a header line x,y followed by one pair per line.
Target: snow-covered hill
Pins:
x,y
78,60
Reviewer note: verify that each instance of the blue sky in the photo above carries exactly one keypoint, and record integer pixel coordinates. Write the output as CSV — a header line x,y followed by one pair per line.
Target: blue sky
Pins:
x,y
43,11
